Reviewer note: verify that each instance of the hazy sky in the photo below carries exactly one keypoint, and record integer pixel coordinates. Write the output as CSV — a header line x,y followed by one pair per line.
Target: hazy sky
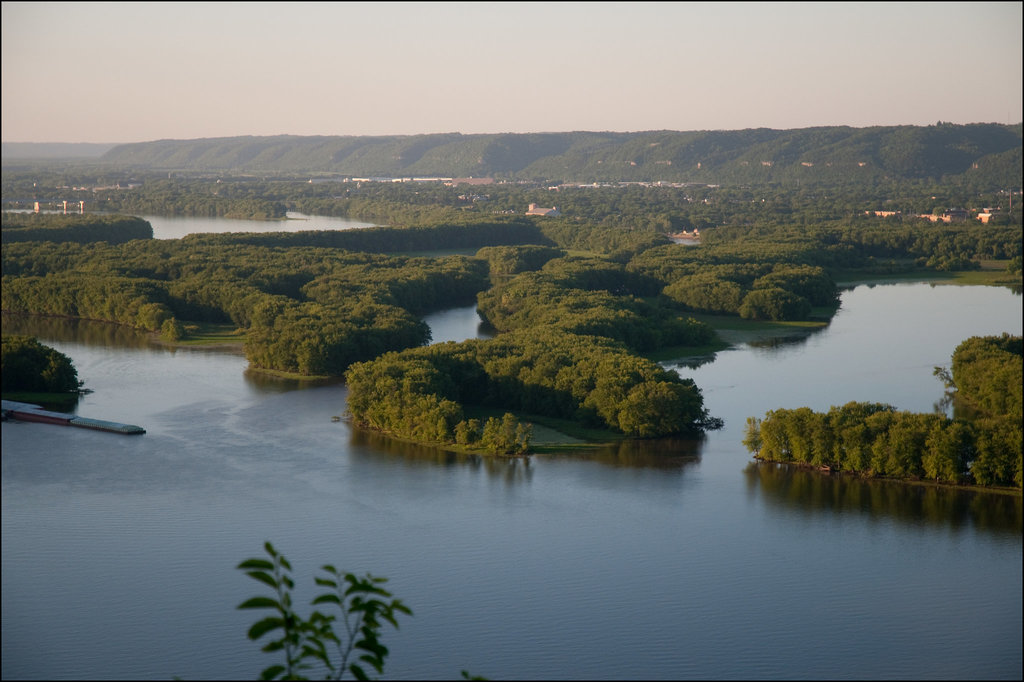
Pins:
x,y
127,72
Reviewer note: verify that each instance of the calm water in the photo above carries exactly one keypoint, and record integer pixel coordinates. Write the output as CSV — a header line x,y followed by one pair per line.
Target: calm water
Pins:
x,y
176,227
664,560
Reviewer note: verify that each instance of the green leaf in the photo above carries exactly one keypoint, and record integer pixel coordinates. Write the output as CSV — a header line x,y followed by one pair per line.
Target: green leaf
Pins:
x,y
327,598
263,578
260,603
262,627
376,662
261,564
317,652
270,548
272,672
357,672
324,582
378,650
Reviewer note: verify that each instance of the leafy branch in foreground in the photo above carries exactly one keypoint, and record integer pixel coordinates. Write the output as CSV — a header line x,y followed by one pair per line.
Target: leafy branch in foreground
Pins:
x,y
364,605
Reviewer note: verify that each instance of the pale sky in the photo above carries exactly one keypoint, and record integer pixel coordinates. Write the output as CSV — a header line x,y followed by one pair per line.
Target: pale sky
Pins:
x,y
131,72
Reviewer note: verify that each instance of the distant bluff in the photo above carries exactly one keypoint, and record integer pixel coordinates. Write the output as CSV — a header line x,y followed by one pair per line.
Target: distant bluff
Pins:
x,y
823,154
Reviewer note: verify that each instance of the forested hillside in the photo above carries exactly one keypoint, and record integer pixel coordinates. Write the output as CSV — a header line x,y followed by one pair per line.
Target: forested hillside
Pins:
x,y
809,155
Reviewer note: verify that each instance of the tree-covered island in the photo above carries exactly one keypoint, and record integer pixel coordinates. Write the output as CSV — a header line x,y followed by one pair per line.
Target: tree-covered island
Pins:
x,y
980,445
581,302
33,372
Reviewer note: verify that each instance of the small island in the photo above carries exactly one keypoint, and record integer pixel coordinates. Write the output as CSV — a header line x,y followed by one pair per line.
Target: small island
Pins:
x,y
31,370
586,304
980,446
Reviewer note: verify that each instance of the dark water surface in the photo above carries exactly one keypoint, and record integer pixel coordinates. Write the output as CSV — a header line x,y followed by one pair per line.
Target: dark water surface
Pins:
x,y
663,560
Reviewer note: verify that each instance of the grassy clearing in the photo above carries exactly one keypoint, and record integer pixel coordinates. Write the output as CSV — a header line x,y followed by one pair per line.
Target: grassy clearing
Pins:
x,y
734,330
549,431
224,337
986,278
280,374
209,333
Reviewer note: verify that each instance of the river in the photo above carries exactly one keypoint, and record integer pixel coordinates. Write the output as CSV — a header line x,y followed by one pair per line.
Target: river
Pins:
x,y
661,560
175,227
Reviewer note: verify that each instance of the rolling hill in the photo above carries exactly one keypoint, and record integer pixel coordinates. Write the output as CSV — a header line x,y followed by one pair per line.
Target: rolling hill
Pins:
x,y
811,155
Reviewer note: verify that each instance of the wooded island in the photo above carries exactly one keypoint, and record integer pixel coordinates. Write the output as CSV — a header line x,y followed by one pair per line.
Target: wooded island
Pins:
x,y
581,301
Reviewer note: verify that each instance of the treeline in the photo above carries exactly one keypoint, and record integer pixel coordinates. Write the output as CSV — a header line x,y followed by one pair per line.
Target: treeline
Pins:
x,y
760,281
132,302
508,260
865,242
411,210
655,208
420,393
824,227
758,292
466,234
874,439
31,367
306,310
617,243
82,229
841,200
559,298
828,223
199,198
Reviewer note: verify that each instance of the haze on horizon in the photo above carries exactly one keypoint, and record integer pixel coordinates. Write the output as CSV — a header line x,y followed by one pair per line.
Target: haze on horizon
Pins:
x,y
132,72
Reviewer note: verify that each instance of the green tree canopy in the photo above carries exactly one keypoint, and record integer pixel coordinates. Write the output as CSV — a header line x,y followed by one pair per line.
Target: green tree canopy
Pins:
x,y
30,366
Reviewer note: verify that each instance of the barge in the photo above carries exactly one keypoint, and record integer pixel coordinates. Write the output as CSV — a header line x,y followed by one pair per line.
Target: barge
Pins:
x,y
27,412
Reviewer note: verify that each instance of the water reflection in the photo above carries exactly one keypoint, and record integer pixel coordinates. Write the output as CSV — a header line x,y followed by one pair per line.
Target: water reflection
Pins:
x,y
666,454
773,342
692,362
87,332
812,491
370,444
267,382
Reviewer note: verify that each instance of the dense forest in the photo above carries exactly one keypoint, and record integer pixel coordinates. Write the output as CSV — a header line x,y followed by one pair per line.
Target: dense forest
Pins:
x,y
579,300
45,227
592,380
27,366
981,444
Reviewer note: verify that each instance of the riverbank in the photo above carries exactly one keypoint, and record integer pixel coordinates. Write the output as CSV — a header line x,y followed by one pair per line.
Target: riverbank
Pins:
x,y
992,273
212,335
61,402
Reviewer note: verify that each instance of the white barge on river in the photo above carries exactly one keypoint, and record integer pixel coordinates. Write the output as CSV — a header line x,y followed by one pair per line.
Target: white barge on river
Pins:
x,y
27,412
